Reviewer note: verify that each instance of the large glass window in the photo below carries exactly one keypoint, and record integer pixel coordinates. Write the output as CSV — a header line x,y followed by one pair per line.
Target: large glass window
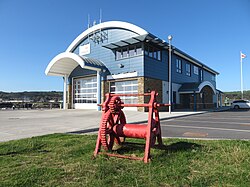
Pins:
x,y
178,66
125,87
85,90
152,52
127,52
188,69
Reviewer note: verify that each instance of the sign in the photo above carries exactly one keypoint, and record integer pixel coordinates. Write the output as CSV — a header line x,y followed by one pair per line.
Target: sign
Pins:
x,y
84,49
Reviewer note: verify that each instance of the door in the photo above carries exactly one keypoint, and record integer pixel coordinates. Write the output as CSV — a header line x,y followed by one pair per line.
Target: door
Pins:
x,y
85,93
185,100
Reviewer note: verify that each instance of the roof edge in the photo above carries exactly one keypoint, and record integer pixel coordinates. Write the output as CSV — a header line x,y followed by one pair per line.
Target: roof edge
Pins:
x,y
105,25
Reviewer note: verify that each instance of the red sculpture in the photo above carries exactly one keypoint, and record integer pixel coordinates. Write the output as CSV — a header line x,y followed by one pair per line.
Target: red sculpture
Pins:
x,y
114,129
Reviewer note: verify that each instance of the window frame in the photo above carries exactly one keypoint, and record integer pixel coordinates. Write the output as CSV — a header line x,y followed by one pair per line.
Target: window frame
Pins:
x,y
188,69
136,48
179,66
154,53
124,85
201,75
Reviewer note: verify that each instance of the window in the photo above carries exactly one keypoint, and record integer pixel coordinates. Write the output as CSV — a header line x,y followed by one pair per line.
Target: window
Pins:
x,y
130,51
138,49
201,75
152,52
188,69
196,70
125,87
178,66
124,53
158,55
146,50
118,54
213,78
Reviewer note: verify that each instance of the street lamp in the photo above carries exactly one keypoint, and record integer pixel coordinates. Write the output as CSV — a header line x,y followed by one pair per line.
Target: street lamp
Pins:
x,y
170,37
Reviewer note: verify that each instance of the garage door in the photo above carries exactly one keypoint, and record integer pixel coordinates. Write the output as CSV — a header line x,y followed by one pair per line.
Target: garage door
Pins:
x,y
85,93
126,87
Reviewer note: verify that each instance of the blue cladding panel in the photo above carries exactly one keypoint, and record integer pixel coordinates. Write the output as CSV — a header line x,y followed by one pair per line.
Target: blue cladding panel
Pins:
x,y
78,72
144,65
107,56
159,70
182,77
208,77
156,69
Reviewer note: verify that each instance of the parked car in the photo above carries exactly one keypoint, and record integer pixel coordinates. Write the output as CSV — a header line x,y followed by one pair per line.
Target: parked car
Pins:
x,y
240,104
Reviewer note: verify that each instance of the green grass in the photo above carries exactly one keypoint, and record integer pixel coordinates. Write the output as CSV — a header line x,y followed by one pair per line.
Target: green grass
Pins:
x,y
65,160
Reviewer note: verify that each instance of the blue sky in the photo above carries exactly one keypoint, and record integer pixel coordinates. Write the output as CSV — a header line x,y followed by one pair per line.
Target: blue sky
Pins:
x,y
32,32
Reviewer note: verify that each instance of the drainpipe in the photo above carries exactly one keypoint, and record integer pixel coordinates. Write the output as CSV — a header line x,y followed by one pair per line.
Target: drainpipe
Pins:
x,y
65,78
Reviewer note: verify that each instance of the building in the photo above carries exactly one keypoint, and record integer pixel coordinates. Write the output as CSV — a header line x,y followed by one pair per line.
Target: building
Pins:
x,y
121,57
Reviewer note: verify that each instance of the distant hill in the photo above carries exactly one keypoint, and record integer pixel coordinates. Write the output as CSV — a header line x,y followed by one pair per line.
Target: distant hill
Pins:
x,y
32,96
237,95
58,96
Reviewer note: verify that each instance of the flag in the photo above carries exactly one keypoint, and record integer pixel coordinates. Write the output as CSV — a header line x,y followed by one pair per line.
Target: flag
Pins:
x,y
242,55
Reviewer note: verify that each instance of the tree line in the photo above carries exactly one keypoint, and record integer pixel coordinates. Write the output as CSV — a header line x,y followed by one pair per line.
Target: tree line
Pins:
x,y
235,95
32,96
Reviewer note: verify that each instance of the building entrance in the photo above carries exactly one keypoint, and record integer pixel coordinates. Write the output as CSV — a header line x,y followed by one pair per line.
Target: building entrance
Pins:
x,y
85,93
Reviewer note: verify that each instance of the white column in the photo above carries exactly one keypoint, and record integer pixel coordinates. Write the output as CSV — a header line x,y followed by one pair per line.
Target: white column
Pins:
x,y
99,81
65,78
241,76
217,100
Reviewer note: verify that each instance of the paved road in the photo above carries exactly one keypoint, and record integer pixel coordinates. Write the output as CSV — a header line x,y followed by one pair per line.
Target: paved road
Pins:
x,y
216,125
17,124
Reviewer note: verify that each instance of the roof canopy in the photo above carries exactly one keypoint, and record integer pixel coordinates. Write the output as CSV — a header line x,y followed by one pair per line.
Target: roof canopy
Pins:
x,y
195,87
150,38
64,63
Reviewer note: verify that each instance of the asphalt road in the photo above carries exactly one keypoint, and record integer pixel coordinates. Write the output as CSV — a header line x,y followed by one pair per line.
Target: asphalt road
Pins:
x,y
17,124
213,125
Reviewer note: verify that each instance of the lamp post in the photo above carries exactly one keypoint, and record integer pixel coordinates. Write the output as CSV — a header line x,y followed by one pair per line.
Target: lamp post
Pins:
x,y
170,37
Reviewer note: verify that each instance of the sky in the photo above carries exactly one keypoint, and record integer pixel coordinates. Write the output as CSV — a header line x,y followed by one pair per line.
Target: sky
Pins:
x,y
32,32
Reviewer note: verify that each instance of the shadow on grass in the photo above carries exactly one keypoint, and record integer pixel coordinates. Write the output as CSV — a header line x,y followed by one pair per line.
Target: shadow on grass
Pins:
x,y
181,146
84,131
9,150
129,147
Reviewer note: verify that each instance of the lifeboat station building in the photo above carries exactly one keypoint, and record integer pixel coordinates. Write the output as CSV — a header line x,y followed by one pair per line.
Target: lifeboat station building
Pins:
x,y
120,57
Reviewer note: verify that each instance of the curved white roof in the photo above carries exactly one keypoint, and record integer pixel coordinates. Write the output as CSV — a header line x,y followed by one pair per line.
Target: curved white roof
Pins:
x,y
65,63
206,83
105,25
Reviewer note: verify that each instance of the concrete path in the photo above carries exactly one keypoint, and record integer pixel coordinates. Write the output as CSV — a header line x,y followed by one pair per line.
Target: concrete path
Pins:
x,y
17,124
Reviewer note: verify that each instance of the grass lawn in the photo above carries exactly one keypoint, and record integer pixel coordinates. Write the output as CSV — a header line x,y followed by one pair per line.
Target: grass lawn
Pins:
x,y
65,160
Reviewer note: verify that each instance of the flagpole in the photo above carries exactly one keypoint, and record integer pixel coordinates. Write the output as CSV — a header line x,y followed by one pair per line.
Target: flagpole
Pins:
x,y
241,76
